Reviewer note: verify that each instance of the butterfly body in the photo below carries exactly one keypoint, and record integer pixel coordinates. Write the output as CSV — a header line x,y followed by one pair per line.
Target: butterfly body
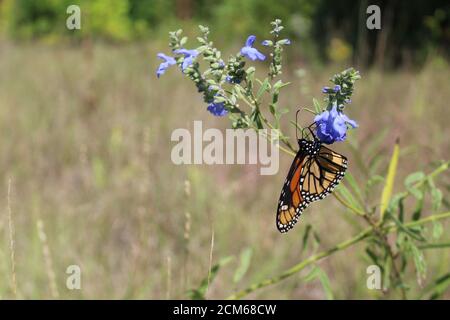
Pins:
x,y
314,173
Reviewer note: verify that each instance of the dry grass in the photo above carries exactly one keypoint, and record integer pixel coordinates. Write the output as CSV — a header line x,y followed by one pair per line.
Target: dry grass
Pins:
x,y
11,243
85,136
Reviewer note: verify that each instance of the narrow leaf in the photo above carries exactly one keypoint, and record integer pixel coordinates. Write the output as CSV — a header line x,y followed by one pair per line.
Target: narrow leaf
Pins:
x,y
389,184
244,264
319,274
264,87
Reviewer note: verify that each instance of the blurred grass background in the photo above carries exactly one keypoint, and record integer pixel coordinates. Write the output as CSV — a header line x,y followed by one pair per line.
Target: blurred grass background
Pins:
x,y
85,134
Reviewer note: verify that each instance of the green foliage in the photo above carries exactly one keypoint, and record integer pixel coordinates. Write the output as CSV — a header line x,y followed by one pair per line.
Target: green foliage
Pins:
x,y
324,29
244,264
393,257
199,293
318,274
389,185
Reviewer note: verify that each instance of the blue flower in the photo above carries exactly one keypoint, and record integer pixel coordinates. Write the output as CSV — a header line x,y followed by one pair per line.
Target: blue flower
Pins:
x,y
332,125
189,57
326,89
337,88
250,52
168,61
217,109
267,43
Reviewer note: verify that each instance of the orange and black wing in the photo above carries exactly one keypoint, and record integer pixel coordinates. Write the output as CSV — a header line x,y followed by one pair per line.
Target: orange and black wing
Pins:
x,y
291,203
322,174
310,178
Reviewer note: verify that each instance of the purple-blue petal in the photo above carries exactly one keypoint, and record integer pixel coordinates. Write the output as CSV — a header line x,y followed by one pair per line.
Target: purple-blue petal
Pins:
x,y
186,52
250,40
187,62
259,55
217,109
166,58
351,122
252,53
322,117
162,69
332,125
168,61
325,89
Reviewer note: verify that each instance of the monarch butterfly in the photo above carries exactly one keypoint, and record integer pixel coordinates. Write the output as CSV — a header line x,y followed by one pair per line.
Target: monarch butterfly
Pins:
x,y
314,173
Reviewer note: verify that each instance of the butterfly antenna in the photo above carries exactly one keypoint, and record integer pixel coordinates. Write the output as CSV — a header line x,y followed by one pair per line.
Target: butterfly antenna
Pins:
x,y
296,123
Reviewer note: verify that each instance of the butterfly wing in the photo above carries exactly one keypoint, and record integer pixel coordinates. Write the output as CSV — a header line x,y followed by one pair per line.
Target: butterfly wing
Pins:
x,y
310,178
291,203
323,173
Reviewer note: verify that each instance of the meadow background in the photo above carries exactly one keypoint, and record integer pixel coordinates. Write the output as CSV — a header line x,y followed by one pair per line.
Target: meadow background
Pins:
x,y
85,126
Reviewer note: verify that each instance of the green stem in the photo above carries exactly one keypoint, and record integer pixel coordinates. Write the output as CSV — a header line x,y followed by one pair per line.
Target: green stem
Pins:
x,y
314,258
300,266
435,246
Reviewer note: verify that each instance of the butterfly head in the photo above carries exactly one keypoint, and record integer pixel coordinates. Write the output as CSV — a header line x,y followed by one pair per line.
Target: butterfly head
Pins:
x,y
310,147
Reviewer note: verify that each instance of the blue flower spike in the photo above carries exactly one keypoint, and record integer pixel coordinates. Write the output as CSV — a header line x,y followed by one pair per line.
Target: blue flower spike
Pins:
x,y
332,125
251,53
168,61
189,57
217,109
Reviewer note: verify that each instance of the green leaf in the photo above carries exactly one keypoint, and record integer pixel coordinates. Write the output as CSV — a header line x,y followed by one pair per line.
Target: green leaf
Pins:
x,y
418,209
250,70
306,236
318,273
316,237
280,84
413,233
272,109
348,196
265,86
200,292
437,288
372,255
283,41
219,99
438,229
395,202
317,106
416,192
245,259
436,199
414,177
354,186
183,41
389,184
419,261
373,181
411,185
